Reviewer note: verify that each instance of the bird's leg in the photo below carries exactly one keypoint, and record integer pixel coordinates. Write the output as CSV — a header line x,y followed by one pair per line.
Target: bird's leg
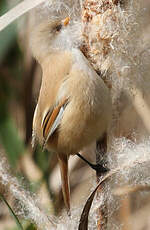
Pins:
x,y
99,168
63,163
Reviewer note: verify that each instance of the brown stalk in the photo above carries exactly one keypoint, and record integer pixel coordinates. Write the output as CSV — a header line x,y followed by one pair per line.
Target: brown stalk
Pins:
x,y
94,13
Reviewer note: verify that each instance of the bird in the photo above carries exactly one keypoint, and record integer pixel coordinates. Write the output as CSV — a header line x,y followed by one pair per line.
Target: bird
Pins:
x,y
74,107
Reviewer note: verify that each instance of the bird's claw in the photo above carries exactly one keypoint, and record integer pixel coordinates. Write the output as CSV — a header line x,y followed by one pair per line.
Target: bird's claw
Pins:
x,y
100,169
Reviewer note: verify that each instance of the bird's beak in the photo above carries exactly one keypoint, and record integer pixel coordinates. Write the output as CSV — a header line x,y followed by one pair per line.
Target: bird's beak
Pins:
x,y
63,163
66,21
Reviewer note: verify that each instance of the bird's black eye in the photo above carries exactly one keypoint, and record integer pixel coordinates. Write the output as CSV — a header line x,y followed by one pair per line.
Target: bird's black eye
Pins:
x,y
58,28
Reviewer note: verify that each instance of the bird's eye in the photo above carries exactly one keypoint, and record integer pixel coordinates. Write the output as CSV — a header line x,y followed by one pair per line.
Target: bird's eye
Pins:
x,y
58,28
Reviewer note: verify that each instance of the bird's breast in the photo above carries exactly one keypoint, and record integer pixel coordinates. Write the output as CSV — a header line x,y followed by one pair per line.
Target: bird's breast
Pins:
x,y
87,114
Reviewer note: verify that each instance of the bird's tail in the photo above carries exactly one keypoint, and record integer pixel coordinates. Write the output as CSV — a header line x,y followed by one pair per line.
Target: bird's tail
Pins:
x,y
63,163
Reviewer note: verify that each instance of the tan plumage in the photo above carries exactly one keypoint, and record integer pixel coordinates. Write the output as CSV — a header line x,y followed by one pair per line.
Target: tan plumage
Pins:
x,y
74,106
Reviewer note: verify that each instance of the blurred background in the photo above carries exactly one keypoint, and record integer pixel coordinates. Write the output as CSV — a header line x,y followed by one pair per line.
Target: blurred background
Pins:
x,y
37,170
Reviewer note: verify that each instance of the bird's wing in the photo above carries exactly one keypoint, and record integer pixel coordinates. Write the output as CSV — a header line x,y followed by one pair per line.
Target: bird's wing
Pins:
x,y
52,119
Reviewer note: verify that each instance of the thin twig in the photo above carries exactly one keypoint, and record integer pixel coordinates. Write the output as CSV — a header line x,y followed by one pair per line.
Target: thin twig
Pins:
x,y
127,189
18,11
12,212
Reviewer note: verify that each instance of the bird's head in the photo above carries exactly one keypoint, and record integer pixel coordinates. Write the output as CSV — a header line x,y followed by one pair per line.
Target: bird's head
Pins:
x,y
47,37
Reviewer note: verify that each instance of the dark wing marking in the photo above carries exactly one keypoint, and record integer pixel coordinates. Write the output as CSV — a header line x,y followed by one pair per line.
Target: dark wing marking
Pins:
x,y
52,119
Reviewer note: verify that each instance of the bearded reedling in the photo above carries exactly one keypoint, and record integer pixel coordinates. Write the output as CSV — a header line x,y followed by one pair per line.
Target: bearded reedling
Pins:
x,y
74,105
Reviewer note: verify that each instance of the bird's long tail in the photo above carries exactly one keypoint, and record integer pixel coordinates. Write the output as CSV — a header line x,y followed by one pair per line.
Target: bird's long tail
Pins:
x,y
63,163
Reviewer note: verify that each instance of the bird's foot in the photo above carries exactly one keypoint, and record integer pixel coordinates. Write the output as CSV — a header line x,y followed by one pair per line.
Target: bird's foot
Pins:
x,y
99,168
